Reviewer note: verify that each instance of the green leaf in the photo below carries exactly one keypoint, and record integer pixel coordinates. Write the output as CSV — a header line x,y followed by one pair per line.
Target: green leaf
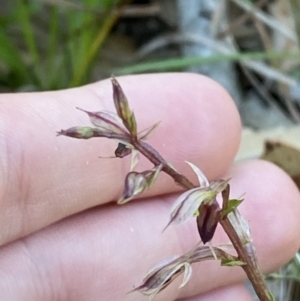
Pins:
x,y
232,205
231,263
271,297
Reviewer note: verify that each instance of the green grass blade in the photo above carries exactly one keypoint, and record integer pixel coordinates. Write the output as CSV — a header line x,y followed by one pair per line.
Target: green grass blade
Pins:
x,y
84,64
183,63
52,46
23,13
10,55
27,28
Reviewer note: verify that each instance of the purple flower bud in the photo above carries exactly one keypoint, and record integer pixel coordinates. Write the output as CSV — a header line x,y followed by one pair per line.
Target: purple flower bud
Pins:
x,y
207,220
135,183
122,151
78,132
84,132
123,109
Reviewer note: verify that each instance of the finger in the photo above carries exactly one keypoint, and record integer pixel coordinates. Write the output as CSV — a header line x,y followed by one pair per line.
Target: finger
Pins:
x,y
45,178
234,292
102,253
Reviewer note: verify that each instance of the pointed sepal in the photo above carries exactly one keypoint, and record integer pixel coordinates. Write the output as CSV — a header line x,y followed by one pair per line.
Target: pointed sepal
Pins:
x,y
152,175
203,181
106,121
146,133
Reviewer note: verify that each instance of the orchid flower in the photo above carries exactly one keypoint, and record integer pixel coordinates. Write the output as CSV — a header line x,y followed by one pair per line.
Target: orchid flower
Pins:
x,y
200,201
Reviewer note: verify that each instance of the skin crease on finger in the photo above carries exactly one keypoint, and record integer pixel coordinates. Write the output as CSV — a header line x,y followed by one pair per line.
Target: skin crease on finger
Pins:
x,y
45,178
103,252
230,293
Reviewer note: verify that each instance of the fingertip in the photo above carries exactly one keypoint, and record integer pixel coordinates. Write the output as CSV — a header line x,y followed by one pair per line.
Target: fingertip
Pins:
x,y
273,200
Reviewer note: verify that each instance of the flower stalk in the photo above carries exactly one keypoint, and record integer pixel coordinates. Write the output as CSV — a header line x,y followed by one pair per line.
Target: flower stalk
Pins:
x,y
199,201
253,273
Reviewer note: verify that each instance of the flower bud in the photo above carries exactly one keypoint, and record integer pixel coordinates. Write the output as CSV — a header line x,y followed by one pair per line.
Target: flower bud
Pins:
x,y
123,109
84,132
122,151
79,132
135,183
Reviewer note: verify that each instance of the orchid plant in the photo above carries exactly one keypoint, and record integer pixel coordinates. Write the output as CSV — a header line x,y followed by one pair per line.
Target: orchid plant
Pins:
x,y
196,201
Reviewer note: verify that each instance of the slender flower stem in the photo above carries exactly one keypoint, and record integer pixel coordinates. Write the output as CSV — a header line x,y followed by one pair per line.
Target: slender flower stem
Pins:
x,y
253,272
149,152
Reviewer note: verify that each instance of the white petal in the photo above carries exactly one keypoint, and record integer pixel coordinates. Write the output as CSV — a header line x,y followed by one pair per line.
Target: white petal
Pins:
x,y
212,250
135,157
106,120
201,177
219,185
187,274
187,204
182,197
162,264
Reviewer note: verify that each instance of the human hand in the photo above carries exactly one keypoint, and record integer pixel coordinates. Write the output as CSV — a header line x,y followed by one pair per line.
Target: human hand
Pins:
x,y
63,238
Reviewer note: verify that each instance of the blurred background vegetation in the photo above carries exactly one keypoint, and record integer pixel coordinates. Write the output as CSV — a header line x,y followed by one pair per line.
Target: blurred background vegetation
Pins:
x,y
250,46
46,45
